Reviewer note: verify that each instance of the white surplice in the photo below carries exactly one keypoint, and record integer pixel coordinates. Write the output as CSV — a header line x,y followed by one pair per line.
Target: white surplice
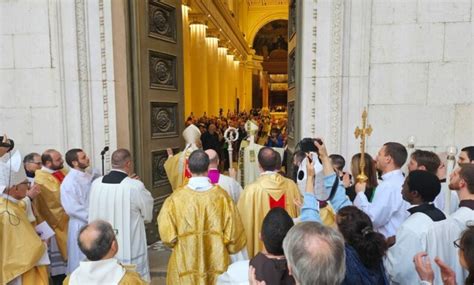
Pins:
x,y
387,210
107,271
75,190
127,206
231,186
410,240
440,242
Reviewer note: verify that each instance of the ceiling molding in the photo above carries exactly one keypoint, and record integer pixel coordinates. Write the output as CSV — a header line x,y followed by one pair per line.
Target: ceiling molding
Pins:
x,y
222,19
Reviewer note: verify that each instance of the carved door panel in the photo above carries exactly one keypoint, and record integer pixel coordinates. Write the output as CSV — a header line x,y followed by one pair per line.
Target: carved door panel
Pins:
x,y
157,68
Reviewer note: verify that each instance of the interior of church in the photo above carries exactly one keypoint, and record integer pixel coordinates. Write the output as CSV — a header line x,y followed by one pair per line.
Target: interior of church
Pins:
x,y
237,64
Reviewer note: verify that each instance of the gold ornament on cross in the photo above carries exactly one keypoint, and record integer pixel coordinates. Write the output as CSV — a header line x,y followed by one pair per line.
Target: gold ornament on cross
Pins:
x,y
363,134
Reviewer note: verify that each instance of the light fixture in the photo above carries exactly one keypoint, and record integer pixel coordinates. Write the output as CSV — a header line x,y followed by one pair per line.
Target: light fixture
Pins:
x,y
411,141
451,151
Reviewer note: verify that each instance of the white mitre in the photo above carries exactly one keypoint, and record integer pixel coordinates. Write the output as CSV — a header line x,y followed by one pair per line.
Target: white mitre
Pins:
x,y
11,171
191,135
251,127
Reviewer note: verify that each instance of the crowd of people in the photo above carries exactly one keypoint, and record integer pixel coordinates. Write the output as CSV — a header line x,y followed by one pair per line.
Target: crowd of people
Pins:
x,y
271,131
319,225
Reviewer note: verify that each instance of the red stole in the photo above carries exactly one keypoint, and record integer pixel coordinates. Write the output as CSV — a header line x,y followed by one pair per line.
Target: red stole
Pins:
x,y
277,203
59,175
187,172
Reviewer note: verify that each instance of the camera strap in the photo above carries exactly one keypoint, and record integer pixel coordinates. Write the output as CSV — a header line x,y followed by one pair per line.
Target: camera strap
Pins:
x,y
333,190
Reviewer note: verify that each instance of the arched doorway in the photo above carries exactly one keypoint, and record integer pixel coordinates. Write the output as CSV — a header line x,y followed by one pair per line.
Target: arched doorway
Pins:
x,y
271,46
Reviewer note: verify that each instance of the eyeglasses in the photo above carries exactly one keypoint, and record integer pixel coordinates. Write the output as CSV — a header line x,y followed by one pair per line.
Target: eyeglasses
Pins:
x,y
457,244
116,231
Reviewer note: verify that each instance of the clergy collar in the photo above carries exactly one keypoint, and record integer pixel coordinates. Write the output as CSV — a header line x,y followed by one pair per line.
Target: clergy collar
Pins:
x,y
200,183
467,203
428,209
118,170
391,173
8,197
45,169
268,172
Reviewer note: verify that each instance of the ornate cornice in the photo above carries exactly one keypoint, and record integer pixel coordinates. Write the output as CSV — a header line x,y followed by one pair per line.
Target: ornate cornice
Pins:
x,y
83,72
223,20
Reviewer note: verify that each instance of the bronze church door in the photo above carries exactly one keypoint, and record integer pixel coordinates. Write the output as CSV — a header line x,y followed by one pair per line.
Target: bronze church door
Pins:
x,y
158,96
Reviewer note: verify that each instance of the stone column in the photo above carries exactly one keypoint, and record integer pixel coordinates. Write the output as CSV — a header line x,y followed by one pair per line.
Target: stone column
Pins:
x,y
242,79
222,76
230,83
265,89
212,75
198,68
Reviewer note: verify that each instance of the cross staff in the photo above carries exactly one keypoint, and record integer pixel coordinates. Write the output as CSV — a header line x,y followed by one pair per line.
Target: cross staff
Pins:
x,y
362,133
231,135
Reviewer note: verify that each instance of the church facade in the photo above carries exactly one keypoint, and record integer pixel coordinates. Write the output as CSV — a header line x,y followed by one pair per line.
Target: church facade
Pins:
x,y
123,73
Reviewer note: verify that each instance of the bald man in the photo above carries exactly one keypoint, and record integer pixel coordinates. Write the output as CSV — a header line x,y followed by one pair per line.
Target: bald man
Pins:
x,y
97,242
227,183
122,200
48,208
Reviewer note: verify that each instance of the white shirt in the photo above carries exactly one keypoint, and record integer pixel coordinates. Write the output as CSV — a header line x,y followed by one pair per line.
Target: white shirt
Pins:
x,y
387,210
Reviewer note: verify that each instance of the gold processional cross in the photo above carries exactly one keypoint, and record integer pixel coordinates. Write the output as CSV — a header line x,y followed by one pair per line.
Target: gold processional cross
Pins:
x,y
362,133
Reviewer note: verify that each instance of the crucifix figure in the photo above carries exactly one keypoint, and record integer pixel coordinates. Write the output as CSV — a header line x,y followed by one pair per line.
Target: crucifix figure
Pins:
x,y
362,133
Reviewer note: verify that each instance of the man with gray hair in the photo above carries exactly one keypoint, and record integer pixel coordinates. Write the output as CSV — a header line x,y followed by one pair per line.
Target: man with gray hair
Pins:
x,y
315,254
97,241
122,200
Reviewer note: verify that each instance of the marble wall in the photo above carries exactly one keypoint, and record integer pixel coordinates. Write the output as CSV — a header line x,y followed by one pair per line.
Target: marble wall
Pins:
x,y
57,76
408,61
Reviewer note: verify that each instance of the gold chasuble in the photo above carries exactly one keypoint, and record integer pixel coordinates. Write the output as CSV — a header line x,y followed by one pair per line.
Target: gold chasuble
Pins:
x,y
48,206
176,168
21,247
203,228
268,191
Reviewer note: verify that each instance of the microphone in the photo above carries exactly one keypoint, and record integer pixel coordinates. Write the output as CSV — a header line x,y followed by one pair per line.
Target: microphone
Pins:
x,y
106,149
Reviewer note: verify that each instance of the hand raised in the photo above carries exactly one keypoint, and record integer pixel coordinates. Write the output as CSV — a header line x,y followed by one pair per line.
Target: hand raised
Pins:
x,y
423,267
360,187
447,274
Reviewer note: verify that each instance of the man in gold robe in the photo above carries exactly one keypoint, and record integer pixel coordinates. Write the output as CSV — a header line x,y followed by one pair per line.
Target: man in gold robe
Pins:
x,y
202,225
48,208
176,166
22,249
270,190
